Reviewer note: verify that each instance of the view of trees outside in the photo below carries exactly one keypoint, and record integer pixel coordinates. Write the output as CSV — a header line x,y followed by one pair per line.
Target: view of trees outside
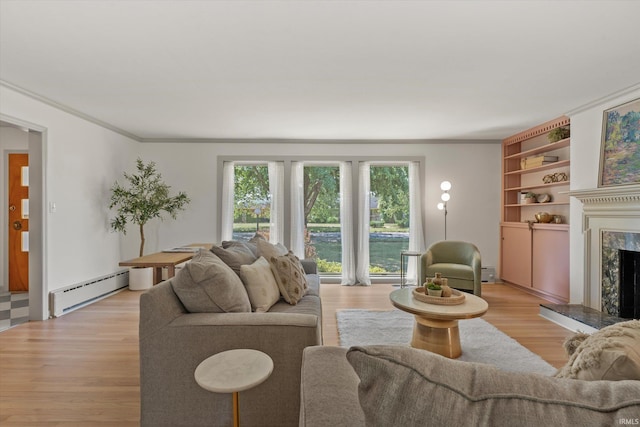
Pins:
x,y
389,226
323,234
389,222
252,204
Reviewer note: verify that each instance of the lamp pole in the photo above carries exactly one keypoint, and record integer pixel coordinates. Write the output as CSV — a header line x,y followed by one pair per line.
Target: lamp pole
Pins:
x,y
445,186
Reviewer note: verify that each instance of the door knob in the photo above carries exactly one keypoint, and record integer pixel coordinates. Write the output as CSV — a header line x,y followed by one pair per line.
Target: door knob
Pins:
x,y
17,225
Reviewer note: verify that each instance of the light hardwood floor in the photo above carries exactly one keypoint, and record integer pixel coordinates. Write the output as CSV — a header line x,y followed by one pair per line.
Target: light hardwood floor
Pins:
x,y
82,369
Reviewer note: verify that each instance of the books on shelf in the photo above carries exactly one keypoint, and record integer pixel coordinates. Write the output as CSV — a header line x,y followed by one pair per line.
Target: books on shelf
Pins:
x,y
537,161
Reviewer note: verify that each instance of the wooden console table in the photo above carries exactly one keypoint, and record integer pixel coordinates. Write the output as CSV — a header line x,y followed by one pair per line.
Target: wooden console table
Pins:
x,y
160,260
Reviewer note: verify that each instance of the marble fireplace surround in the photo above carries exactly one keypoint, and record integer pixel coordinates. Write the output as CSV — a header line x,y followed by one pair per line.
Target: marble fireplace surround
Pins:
x,y
609,209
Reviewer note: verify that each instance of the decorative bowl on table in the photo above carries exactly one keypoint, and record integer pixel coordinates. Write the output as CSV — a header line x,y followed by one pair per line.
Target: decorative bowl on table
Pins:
x,y
456,297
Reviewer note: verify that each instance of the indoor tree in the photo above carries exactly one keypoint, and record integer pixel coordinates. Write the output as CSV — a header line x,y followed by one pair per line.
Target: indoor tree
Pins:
x,y
146,197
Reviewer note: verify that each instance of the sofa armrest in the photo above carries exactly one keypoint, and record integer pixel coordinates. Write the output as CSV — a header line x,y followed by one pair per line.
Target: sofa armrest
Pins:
x,y
310,266
169,355
329,389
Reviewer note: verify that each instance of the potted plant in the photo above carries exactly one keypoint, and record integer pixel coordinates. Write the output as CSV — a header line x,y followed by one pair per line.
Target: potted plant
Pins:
x,y
434,290
529,198
144,198
559,134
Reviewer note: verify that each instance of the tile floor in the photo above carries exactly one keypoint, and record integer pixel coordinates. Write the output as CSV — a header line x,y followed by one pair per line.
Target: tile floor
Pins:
x,y
14,309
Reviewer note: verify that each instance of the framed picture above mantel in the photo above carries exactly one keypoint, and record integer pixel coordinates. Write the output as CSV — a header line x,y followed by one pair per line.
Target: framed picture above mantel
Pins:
x,y
620,148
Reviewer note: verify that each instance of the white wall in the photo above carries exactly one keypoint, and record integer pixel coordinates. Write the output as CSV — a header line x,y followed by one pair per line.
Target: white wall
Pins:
x,y
12,139
472,167
586,137
81,162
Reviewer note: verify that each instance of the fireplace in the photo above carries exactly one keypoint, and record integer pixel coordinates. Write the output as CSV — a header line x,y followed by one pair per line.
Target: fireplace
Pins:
x,y
610,229
629,284
620,255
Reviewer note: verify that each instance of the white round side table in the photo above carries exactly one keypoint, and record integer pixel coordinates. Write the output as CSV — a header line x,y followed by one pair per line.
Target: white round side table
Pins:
x,y
233,371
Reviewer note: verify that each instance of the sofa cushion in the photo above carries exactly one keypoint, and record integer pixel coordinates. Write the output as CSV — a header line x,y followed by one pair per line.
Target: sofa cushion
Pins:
x,y
234,256
406,386
612,353
451,271
269,250
290,277
261,286
207,285
226,244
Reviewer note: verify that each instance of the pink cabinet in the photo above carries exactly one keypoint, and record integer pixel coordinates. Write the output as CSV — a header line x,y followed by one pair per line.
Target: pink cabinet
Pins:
x,y
551,261
537,258
516,254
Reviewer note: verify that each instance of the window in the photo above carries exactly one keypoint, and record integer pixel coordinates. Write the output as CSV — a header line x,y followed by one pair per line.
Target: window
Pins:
x,y
389,218
353,216
323,233
252,201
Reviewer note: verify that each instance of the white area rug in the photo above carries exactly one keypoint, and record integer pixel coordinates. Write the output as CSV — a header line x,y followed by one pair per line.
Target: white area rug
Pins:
x,y
481,342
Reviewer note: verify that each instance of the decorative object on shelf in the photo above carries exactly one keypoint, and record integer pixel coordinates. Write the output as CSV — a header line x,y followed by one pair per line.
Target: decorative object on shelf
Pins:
x,y
530,198
618,163
544,217
445,186
555,177
543,198
537,161
557,219
558,134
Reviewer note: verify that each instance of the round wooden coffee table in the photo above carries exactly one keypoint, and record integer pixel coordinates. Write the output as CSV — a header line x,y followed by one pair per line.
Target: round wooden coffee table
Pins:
x,y
436,327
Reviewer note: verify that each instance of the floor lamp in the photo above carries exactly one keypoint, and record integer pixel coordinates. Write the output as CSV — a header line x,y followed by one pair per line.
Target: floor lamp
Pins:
x,y
445,186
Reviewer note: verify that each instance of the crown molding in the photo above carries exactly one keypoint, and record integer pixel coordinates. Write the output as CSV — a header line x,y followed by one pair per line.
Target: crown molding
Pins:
x,y
603,100
68,109
316,141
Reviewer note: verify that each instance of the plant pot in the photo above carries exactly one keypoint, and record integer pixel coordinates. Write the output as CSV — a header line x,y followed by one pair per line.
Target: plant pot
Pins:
x,y
140,278
435,292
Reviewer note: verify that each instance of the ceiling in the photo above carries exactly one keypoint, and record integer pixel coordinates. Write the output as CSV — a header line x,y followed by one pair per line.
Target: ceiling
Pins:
x,y
320,69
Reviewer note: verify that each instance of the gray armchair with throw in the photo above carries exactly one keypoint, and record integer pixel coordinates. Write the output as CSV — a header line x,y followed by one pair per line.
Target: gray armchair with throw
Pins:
x,y
458,261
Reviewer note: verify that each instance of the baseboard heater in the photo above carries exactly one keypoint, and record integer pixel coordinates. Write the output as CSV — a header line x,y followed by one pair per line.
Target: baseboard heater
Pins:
x,y
64,300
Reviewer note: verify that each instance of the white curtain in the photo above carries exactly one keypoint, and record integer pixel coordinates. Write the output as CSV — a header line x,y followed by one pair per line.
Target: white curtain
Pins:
x,y
362,269
346,225
276,188
416,235
297,209
228,184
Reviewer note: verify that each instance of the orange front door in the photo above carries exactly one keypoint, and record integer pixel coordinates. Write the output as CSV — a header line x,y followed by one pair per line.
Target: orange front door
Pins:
x,y
18,222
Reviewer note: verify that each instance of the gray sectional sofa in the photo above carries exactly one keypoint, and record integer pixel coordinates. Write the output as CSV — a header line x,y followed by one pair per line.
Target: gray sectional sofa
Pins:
x,y
381,386
173,342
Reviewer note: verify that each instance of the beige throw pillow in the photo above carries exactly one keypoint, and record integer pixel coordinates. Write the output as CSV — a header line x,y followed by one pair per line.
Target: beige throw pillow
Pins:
x,y
612,353
290,276
207,285
260,284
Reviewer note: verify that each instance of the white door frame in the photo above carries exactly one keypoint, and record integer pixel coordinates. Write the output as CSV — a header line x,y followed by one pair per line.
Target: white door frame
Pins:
x,y
38,301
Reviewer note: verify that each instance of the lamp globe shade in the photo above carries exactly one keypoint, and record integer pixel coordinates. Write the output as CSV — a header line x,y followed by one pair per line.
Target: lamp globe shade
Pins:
x,y
445,186
445,197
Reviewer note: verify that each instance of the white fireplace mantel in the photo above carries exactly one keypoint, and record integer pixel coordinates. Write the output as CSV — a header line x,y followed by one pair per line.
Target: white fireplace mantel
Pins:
x,y
618,197
610,209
